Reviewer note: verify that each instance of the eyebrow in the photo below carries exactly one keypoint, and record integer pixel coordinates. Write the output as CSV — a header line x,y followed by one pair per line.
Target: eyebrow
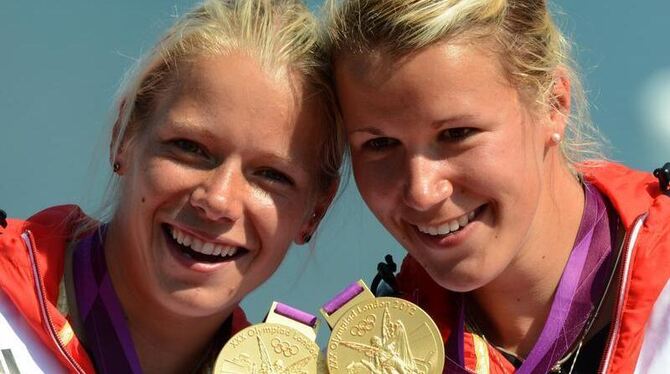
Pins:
x,y
435,124
458,119
190,125
369,129
289,162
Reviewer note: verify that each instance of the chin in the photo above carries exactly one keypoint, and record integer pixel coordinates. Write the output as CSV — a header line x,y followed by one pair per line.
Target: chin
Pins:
x,y
199,302
459,278
456,284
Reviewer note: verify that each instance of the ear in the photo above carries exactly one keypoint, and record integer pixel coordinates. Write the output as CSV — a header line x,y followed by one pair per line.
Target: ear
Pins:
x,y
320,207
559,101
116,145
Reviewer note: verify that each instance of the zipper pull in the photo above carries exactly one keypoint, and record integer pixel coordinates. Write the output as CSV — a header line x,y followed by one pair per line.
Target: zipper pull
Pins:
x,y
663,175
3,219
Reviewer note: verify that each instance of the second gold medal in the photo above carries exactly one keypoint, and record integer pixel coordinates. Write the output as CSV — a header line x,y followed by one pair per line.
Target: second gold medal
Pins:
x,y
380,335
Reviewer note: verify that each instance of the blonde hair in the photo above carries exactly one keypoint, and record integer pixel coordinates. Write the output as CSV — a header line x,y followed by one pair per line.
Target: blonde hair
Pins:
x,y
526,39
282,34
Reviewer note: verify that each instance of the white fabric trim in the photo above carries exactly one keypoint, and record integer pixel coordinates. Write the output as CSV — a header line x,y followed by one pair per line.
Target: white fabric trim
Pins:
x,y
655,353
18,340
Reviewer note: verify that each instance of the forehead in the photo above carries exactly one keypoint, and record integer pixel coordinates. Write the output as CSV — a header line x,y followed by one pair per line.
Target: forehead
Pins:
x,y
232,85
440,77
234,97
377,66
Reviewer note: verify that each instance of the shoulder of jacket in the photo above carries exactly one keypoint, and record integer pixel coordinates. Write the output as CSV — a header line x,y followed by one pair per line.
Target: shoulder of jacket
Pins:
x,y
631,192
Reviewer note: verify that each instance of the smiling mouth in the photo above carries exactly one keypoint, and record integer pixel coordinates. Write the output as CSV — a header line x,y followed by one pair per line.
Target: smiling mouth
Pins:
x,y
453,226
199,250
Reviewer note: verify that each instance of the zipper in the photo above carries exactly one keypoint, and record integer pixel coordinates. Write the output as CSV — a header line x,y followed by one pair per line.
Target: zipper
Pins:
x,y
629,242
39,287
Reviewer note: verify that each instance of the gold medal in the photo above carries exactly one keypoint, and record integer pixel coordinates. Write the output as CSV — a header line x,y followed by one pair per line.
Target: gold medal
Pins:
x,y
380,335
284,344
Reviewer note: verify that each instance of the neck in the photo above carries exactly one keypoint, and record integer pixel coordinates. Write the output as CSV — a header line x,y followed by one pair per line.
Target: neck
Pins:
x,y
179,348
165,341
526,288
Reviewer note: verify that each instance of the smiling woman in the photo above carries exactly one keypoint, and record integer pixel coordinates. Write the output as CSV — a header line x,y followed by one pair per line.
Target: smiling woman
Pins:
x,y
218,150
469,144
226,164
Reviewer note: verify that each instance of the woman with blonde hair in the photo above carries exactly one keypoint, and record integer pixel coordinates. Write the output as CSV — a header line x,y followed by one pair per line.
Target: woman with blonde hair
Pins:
x,y
469,142
224,152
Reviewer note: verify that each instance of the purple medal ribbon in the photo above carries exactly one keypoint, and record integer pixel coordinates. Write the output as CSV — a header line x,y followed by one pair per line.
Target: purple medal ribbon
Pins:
x,y
108,339
454,347
580,288
342,298
295,314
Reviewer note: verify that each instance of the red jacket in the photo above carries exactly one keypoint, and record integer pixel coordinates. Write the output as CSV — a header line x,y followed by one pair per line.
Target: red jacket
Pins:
x,y
644,272
32,256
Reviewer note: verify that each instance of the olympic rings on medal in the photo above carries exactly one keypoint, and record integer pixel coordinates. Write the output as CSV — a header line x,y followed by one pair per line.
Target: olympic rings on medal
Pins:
x,y
284,348
364,326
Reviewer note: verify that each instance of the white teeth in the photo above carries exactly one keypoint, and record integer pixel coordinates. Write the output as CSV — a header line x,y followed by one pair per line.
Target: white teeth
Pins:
x,y
444,229
448,227
208,248
187,240
454,225
198,245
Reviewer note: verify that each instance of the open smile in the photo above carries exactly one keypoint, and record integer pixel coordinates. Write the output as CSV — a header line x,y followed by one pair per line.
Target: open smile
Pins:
x,y
199,250
451,227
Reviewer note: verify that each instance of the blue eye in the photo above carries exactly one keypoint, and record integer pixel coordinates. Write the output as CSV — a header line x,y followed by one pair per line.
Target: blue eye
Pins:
x,y
276,176
380,144
456,134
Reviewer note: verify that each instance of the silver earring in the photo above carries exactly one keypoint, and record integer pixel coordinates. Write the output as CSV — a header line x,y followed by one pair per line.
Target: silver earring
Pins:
x,y
556,138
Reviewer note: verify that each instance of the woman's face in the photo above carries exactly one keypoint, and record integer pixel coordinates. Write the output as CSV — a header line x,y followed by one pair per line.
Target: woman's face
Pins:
x,y
216,186
447,157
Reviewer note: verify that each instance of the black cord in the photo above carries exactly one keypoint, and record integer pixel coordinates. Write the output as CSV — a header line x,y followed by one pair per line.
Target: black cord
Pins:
x,y
385,272
3,219
663,175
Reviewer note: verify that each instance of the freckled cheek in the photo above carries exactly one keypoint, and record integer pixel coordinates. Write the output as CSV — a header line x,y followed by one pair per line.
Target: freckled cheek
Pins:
x,y
277,216
378,182
515,175
162,179
504,179
495,170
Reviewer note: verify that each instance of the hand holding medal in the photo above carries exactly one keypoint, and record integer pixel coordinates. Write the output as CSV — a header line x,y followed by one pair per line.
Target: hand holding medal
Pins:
x,y
284,344
380,334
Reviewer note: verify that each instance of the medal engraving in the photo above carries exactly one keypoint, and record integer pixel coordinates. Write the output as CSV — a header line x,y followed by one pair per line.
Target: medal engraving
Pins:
x,y
385,335
268,348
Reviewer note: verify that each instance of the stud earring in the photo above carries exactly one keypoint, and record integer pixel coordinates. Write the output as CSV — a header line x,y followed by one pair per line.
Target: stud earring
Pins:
x,y
556,138
116,167
307,238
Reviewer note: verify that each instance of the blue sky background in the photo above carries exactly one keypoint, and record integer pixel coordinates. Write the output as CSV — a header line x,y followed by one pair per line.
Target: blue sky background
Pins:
x,y
62,62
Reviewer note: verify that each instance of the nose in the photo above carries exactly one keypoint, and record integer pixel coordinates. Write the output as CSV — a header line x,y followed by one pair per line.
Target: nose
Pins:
x,y
426,184
220,196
